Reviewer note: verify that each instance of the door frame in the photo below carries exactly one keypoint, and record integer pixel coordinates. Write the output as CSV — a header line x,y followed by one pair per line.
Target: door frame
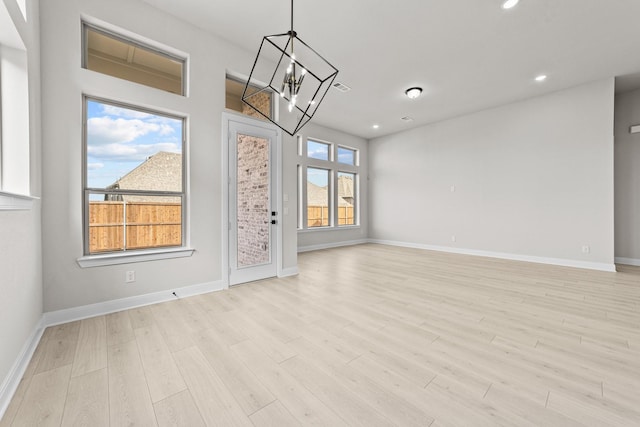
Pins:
x,y
228,117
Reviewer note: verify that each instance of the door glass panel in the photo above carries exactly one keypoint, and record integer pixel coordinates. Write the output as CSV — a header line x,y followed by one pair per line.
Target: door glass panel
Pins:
x,y
254,216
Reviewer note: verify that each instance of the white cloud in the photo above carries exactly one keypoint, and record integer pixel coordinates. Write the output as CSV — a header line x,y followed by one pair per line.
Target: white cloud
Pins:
x,y
105,130
112,110
166,130
95,166
130,152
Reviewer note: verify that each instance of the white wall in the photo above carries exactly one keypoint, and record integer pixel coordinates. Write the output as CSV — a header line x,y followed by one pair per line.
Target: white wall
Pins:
x,y
312,239
20,246
532,179
67,285
627,178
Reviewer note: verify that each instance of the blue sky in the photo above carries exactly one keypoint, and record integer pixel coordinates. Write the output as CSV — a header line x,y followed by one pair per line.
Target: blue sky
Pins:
x,y
119,139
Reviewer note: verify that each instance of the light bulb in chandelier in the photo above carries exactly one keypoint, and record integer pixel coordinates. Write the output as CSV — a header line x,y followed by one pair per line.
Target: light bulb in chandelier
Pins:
x,y
292,82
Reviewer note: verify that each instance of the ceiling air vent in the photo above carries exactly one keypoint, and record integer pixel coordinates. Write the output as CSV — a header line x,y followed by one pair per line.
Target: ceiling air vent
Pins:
x,y
341,87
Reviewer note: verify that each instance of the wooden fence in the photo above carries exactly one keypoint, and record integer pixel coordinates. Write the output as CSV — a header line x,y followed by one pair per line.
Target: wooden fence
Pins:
x,y
115,226
318,216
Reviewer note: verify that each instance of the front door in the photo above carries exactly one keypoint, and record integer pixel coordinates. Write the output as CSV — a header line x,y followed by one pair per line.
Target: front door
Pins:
x,y
253,217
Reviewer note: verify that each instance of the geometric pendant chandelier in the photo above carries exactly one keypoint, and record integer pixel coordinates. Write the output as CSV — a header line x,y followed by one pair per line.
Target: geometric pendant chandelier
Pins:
x,y
297,75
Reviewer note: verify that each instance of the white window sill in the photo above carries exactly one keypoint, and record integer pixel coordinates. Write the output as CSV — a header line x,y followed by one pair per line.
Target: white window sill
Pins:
x,y
133,256
340,228
16,202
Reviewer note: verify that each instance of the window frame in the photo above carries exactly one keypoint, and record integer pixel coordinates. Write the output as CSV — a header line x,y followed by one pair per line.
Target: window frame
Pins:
x,y
112,256
136,43
334,167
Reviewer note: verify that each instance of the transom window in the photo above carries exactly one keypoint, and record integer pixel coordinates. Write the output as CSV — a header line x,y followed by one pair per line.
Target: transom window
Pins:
x,y
117,56
134,178
318,150
327,185
234,88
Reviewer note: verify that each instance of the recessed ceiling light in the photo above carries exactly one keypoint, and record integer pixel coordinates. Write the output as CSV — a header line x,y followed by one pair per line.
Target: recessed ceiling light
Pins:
x,y
509,4
541,78
376,126
413,92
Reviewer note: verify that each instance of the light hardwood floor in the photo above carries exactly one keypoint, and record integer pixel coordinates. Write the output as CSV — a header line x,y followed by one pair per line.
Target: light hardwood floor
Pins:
x,y
365,336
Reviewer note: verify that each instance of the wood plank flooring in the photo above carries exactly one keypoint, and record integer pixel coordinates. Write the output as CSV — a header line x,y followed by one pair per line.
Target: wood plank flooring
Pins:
x,y
368,335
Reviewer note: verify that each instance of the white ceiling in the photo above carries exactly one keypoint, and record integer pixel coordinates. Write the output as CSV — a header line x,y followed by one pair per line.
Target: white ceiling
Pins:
x,y
468,55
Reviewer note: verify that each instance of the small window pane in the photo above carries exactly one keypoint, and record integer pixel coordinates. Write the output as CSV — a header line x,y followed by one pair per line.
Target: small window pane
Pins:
x,y
317,197
346,156
346,198
124,59
317,150
132,150
233,99
119,222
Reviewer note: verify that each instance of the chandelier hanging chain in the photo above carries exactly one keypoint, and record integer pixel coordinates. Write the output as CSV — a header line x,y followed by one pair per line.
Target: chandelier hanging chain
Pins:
x,y
291,81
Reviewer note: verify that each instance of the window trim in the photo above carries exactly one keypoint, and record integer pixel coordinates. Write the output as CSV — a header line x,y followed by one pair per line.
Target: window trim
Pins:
x,y
115,258
16,202
86,25
131,255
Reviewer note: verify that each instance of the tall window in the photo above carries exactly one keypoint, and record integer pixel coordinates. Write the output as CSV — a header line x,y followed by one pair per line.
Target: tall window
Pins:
x,y
328,183
134,178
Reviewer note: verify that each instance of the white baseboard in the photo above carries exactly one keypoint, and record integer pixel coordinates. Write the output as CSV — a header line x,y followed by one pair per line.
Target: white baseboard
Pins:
x,y
628,261
286,272
83,312
12,380
513,257
332,245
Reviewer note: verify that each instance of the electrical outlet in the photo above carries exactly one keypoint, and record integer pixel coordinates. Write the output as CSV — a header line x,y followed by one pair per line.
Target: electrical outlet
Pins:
x,y
586,249
453,188
130,276
453,238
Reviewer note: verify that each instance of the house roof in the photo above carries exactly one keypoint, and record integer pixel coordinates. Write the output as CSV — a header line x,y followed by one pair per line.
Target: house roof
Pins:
x,y
160,172
317,196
